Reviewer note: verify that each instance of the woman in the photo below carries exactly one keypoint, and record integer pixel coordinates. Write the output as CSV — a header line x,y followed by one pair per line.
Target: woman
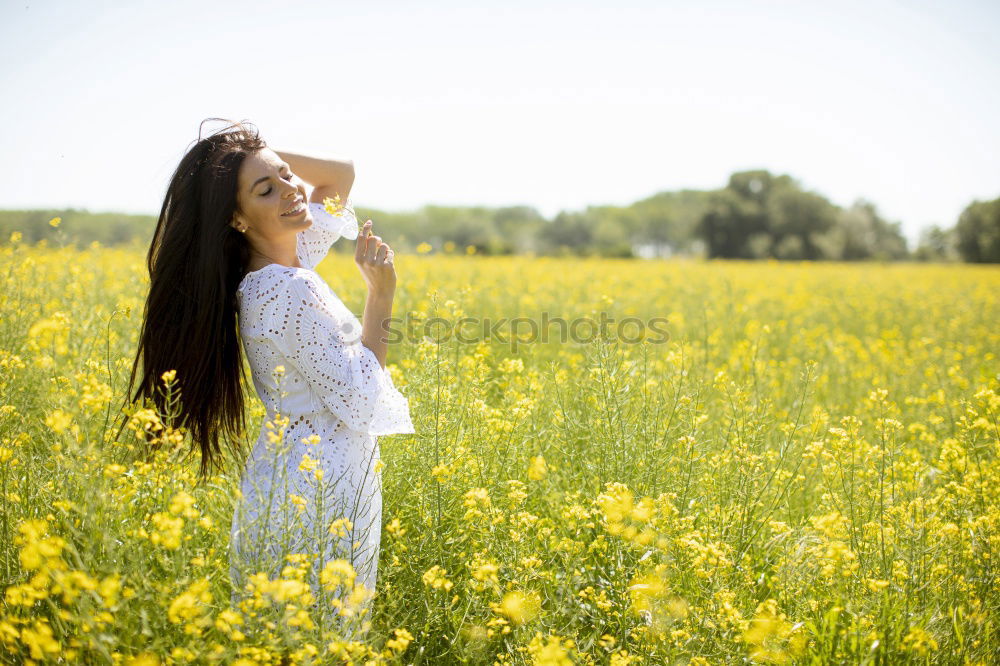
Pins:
x,y
236,243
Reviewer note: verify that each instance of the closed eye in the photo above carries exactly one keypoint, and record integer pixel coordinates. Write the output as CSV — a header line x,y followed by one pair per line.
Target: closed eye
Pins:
x,y
268,190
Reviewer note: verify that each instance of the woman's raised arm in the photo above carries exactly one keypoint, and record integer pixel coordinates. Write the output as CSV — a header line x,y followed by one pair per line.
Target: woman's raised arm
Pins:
x,y
329,177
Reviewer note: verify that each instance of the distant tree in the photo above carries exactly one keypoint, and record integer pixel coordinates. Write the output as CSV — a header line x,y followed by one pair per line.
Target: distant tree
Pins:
x,y
667,221
861,233
518,227
761,215
569,232
936,244
796,220
978,232
616,229
728,224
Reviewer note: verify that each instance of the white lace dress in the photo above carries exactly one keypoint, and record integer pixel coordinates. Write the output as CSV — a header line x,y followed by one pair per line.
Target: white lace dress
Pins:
x,y
334,388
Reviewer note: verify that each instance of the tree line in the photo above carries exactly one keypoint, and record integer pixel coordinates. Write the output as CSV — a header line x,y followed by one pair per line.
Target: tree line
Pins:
x,y
757,215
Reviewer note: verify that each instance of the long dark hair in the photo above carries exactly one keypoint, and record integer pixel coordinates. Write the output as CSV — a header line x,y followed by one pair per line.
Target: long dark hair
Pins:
x,y
196,261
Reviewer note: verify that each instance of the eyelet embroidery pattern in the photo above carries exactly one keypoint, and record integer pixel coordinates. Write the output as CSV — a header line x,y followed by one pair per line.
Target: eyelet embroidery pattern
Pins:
x,y
334,388
313,243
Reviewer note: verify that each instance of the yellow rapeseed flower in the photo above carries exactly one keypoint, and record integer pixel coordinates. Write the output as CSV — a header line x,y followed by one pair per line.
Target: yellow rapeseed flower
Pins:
x,y
333,205
549,651
400,640
919,642
39,640
435,578
191,603
395,528
520,607
340,527
335,573
37,547
537,468
299,502
183,503
59,420
771,637
168,530
308,463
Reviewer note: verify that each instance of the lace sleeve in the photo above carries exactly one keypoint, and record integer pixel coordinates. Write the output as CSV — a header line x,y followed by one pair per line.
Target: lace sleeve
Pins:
x,y
313,243
324,345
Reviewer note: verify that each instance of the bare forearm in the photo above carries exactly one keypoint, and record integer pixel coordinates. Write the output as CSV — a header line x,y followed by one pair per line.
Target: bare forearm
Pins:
x,y
375,335
337,175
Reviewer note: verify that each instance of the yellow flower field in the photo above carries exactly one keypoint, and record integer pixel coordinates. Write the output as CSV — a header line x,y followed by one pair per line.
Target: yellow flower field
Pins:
x,y
782,462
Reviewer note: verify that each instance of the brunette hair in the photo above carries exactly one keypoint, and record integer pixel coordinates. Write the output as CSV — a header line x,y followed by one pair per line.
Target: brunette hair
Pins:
x,y
196,261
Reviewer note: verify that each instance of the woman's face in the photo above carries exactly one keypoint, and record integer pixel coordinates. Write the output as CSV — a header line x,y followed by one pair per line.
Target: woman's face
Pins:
x,y
267,191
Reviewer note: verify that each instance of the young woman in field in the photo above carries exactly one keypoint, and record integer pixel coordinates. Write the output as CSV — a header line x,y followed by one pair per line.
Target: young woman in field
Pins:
x,y
232,261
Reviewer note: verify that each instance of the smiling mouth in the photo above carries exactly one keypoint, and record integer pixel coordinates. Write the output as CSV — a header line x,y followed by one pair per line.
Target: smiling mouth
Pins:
x,y
298,210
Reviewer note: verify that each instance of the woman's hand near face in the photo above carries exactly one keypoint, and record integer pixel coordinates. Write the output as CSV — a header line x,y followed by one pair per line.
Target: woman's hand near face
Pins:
x,y
375,261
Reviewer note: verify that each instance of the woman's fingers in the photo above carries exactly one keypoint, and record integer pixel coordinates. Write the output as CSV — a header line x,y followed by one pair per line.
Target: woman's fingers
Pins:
x,y
374,242
367,243
371,249
362,243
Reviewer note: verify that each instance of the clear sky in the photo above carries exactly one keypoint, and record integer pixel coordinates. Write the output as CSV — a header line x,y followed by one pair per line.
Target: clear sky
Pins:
x,y
556,105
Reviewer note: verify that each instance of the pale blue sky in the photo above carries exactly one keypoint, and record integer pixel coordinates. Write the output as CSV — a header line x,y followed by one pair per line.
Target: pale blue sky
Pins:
x,y
550,104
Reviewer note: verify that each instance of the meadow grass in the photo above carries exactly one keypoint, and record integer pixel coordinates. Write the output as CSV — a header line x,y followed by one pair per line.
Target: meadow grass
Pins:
x,y
801,469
